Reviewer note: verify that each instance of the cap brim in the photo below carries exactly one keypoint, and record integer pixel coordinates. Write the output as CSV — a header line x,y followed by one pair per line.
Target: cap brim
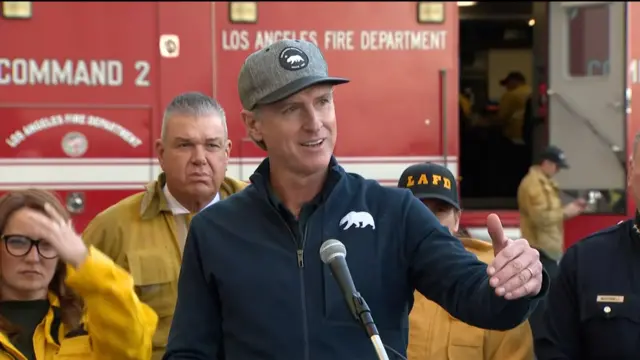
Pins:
x,y
446,199
299,85
563,165
503,82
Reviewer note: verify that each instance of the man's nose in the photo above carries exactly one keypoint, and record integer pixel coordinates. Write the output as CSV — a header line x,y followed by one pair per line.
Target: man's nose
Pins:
x,y
198,155
314,121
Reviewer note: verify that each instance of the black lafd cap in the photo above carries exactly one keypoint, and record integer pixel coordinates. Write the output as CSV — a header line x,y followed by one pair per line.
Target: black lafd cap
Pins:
x,y
431,181
556,155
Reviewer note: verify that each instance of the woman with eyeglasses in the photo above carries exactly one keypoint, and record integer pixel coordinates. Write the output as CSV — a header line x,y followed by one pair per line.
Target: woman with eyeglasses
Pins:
x,y
58,299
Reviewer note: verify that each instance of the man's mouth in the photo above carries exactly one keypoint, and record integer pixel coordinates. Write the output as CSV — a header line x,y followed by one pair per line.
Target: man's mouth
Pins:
x,y
313,143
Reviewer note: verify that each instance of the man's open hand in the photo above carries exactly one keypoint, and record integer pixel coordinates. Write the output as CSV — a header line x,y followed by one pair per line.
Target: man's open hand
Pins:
x,y
516,270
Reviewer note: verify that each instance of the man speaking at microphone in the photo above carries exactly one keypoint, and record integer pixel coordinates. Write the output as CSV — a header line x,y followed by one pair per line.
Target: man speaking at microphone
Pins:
x,y
252,284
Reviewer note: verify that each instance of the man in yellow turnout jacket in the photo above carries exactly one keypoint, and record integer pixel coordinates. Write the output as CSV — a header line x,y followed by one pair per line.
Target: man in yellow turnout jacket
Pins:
x,y
145,233
433,333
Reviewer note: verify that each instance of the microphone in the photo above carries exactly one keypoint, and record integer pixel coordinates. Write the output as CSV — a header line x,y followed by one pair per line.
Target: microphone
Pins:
x,y
334,253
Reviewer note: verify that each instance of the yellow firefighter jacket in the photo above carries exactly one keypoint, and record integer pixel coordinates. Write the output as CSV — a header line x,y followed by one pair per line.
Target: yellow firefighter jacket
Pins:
x,y
139,233
541,213
436,335
511,111
116,324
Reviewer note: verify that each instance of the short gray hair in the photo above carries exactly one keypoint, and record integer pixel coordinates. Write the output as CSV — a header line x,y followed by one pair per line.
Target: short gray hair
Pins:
x,y
194,104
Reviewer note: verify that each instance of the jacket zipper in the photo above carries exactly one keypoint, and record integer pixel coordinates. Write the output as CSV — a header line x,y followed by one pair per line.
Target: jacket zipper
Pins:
x,y
305,327
300,258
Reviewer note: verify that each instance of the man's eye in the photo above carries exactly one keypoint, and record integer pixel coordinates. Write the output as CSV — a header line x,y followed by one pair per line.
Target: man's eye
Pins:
x,y
289,109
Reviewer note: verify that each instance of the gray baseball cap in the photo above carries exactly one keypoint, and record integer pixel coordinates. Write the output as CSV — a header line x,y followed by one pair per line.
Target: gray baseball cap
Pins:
x,y
280,70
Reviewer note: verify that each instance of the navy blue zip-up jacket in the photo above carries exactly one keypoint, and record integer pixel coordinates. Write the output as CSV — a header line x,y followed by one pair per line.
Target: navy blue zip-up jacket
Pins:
x,y
593,306
253,287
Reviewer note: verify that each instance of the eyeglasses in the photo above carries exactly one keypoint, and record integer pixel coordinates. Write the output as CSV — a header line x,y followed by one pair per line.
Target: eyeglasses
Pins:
x,y
19,245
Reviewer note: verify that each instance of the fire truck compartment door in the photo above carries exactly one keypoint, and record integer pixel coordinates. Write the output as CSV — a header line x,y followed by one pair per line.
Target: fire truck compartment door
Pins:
x,y
587,105
76,148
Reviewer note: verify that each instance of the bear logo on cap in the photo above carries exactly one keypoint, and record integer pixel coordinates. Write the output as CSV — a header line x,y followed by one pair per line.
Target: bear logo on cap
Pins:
x,y
293,59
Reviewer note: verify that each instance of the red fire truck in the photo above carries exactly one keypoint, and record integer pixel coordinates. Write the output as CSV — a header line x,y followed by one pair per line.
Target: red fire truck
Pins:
x,y
83,86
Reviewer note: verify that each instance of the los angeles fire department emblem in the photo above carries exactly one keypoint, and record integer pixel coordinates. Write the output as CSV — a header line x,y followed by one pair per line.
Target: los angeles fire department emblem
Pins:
x,y
74,144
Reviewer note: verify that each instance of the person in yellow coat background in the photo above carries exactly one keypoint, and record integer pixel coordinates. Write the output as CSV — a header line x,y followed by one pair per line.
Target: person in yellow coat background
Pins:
x,y
145,233
433,333
60,300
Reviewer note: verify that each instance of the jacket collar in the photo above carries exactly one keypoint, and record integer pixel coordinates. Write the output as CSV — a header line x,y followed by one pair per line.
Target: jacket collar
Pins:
x,y
261,178
154,201
538,173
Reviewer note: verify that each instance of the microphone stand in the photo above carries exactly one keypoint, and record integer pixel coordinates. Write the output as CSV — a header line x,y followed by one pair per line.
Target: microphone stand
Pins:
x,y
364,317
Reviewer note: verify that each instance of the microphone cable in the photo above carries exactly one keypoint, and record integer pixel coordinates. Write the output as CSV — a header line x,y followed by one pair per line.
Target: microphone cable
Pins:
x,y
397,354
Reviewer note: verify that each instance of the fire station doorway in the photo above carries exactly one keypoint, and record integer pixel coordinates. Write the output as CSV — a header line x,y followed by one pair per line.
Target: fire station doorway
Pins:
x,y
496,40
572,57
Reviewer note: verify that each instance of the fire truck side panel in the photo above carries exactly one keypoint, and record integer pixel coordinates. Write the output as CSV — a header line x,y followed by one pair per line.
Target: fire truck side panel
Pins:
x,y
390,115
43,56
81,109
194,68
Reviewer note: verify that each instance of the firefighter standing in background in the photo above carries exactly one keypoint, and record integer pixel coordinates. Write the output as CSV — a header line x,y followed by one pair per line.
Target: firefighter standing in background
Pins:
x,y
48,277
145,232
542,215
511,109
593,305
433,333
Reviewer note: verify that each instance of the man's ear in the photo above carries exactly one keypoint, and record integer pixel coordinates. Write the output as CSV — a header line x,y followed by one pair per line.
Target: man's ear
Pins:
x,y
160,152
252,125
227,150
457,215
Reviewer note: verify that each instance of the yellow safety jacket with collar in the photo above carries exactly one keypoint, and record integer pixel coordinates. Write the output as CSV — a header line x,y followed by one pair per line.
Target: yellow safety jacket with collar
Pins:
x,y
436,335
140,234
116,325
541,213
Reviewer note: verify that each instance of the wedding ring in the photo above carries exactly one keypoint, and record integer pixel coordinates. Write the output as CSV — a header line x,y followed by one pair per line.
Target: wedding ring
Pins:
x,y
531,272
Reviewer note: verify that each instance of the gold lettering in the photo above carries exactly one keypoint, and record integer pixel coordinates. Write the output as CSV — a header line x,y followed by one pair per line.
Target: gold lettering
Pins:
x,y
410,181
423,180
447,183
436,179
